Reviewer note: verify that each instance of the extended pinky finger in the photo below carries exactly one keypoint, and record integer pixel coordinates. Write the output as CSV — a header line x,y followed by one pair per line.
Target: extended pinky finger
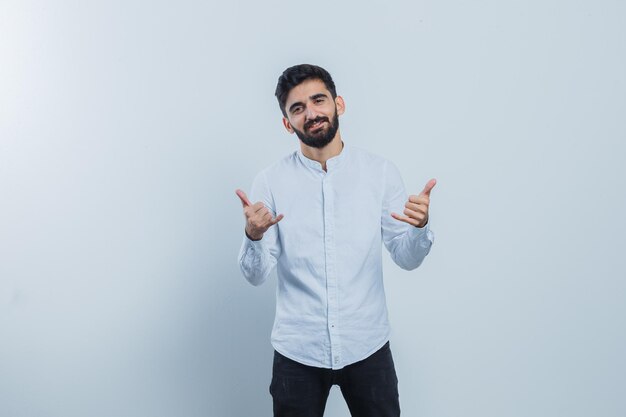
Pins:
x,y
405,219
277,219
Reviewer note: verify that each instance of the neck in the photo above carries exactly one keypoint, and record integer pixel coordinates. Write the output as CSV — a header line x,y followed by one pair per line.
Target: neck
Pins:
x,y
322,155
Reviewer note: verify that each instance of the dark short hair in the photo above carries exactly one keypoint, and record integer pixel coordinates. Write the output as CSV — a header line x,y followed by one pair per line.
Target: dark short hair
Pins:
x,y
297,74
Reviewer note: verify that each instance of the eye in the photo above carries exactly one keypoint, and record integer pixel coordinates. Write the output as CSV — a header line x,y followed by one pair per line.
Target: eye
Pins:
x,y
319,100
297,110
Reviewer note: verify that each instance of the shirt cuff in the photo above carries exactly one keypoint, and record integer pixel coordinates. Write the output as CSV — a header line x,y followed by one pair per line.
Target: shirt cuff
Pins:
x,y
254,244
417,232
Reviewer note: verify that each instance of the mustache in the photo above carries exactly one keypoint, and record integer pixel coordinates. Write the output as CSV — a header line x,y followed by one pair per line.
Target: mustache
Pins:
x,y
317,119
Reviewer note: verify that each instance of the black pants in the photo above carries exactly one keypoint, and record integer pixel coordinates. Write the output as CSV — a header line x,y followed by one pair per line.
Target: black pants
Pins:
x,y
370,387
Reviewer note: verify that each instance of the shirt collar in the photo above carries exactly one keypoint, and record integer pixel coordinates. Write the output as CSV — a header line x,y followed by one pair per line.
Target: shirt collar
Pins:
x,y
331,164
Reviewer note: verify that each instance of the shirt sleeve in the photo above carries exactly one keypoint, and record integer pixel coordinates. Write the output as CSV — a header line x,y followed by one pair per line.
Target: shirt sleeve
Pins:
x,y
408,245
257,259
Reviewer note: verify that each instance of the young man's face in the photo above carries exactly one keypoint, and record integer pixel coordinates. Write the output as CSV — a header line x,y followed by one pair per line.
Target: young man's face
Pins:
x,y
312,113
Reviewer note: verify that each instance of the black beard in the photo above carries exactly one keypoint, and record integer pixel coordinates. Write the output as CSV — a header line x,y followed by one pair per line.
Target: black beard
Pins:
x,y
321,138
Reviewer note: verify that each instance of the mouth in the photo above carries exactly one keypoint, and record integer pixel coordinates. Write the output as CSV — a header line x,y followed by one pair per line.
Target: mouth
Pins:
x,y
316,126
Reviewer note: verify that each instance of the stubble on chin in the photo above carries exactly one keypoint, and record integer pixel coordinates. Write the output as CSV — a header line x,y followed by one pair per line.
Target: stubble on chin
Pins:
x,y
320,138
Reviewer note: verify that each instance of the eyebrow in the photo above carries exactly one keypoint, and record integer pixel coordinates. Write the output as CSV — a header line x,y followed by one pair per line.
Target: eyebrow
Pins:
x,y
318,95
299,103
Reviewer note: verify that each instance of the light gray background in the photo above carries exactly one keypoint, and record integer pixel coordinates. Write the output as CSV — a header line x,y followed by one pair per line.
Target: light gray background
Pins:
x,y
126,126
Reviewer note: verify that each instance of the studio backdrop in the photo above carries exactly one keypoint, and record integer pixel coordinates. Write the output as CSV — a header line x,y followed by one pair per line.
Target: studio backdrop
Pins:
x,y
126,126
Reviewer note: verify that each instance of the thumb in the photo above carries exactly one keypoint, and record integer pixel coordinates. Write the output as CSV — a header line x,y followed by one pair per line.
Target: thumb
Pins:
x,y
243,197
429,186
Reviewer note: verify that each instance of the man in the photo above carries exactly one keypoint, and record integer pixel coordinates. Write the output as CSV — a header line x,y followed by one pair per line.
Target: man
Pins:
x,y
320,216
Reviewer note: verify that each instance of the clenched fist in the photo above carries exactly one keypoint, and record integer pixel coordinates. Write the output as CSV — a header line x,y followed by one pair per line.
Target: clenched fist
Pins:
x,y
258,217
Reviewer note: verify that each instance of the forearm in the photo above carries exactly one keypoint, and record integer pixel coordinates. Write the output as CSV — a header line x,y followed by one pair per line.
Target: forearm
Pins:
x,y
255,261
409,249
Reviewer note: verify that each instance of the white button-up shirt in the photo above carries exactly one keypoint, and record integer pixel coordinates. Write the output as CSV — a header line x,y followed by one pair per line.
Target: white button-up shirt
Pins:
x,y
330,300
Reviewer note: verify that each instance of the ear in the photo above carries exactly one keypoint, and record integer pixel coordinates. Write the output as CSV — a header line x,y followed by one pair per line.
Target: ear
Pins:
x,y
287,125
341,105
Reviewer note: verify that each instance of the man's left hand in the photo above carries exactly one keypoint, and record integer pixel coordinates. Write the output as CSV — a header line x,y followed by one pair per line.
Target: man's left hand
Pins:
x,y
416,209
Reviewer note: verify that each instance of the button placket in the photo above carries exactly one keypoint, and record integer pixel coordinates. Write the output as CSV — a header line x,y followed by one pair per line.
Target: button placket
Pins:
x,y
331,277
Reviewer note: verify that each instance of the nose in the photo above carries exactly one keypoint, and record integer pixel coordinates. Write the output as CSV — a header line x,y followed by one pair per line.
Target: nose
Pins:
x,y
310,113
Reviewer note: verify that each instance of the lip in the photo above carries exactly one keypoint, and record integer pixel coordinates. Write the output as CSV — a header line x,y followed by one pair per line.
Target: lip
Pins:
x,y
317,126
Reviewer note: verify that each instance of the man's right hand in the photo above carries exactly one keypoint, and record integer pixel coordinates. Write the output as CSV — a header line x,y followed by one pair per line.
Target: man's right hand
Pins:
x,y
258,217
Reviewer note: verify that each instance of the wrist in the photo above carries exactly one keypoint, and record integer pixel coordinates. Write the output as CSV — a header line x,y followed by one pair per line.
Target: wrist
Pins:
x,y
253,236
